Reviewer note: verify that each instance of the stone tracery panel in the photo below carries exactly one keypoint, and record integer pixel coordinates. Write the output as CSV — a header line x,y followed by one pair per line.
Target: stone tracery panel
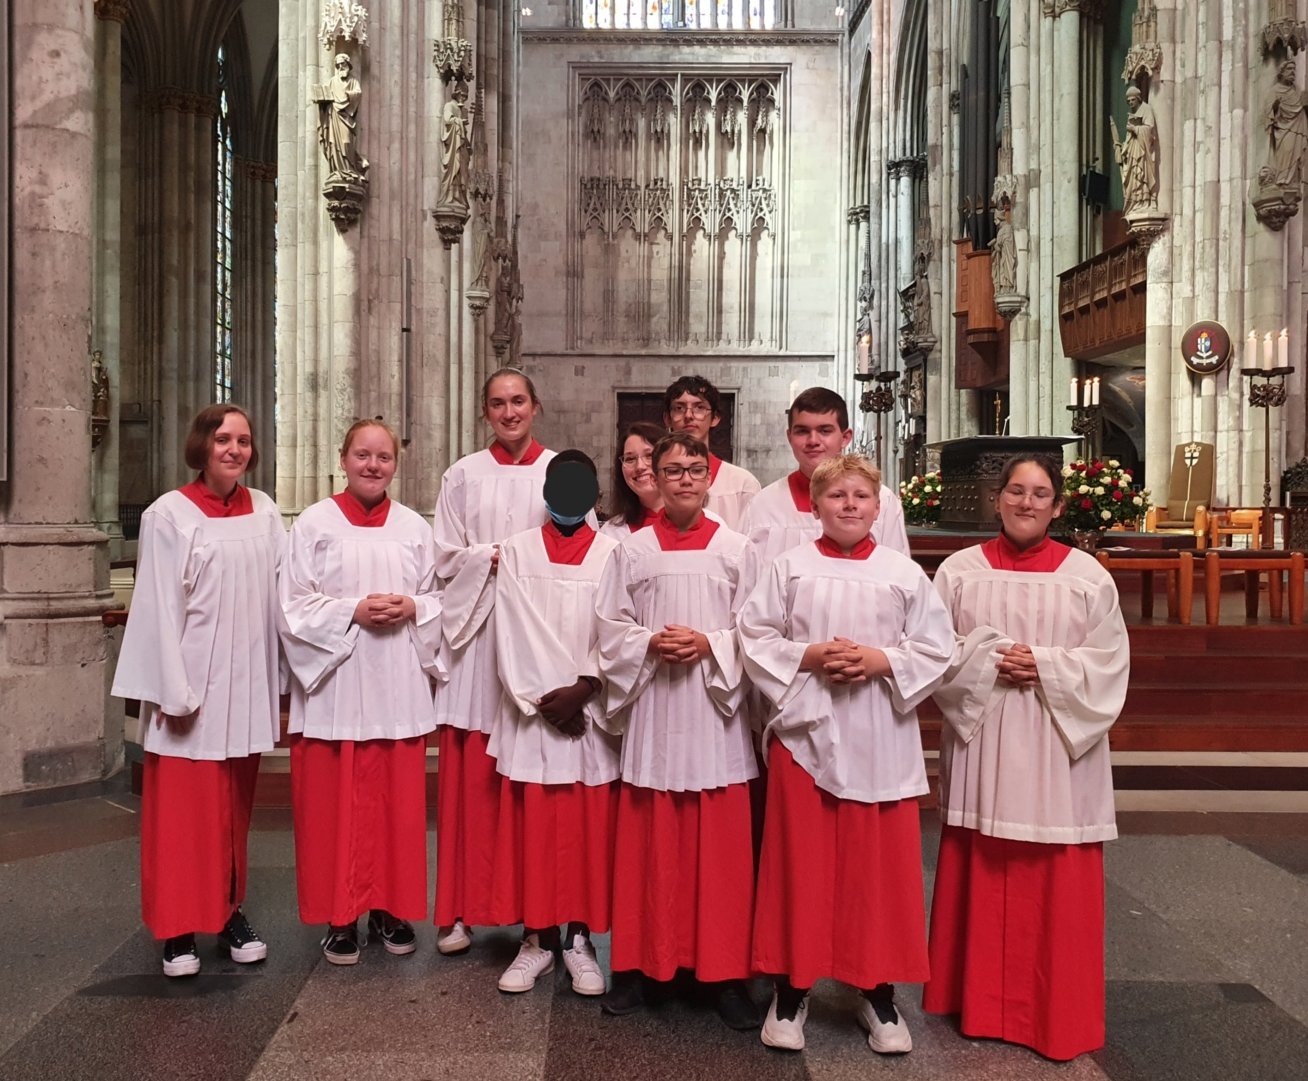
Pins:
x,y
676,217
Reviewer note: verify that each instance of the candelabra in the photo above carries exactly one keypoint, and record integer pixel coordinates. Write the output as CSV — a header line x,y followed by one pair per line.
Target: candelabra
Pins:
x,y
1087,422
879,399
1267,396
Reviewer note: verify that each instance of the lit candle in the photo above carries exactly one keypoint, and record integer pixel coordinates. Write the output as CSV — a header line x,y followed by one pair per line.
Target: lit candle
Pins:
x,y
1283,350
1251,350
1073,400
1094,392
864,352
794,392
1085,391
1267,351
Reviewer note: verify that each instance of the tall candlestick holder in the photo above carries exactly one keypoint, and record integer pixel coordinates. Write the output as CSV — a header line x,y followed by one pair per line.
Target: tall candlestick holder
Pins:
x,y
1088,423
1267,395
880,400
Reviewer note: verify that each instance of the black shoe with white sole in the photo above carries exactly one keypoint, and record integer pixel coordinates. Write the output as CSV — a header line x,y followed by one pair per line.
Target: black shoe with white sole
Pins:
x,y
341,946
180,957
395,934
242,939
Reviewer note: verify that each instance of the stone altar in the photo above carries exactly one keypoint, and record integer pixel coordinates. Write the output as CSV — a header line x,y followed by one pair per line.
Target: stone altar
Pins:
x,y
970,469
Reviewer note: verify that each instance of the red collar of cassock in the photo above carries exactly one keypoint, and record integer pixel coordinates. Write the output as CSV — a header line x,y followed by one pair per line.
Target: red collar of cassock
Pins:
x,y
501,454
715,463
570,550
647,517
694,539
1044,556
215,506
799,492
357,514
828,547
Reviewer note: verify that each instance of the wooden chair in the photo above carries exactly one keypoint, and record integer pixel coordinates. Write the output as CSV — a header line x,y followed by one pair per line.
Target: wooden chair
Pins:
x,y
1189,493
1227,522
1254,562
1177,565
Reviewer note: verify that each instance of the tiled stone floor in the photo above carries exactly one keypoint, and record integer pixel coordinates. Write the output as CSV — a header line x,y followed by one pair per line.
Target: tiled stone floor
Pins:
x,y
1207,964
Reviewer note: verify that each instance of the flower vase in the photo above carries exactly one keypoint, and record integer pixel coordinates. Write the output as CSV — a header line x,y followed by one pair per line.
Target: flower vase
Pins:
x,y
1086,539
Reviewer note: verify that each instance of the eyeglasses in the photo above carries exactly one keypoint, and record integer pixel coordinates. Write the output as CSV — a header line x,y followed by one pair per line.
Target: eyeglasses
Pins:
x,y
633,460
674,472
1041,497
698,410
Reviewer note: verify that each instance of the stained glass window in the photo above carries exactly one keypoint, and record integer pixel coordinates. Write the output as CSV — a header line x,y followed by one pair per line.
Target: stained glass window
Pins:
x,y
222,241
678,14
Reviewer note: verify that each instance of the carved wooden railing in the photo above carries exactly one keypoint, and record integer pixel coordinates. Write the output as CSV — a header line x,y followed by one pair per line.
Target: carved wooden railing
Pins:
x,y
1101,302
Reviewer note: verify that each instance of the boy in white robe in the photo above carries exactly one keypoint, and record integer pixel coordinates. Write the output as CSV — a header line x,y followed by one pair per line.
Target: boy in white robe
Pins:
x,y
781,515
693,405
683,874
559,766
844,637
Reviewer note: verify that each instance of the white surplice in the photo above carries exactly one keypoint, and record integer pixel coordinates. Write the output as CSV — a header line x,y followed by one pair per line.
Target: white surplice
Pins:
x,y
858,741
730,493
352,682
547,638
684,726
775,524
1032,765
200,650
481,503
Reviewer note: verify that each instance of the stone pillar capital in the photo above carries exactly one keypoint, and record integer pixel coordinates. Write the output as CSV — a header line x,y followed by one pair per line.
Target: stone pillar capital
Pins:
x,y
175,99
1087,9
260,171
857,215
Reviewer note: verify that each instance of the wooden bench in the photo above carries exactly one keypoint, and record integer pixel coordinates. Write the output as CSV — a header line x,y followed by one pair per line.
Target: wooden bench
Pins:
x,y
1253,562
1177,565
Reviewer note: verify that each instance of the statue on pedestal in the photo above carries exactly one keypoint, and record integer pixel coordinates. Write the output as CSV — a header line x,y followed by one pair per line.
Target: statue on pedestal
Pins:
x,y
1137,154
338,111
1280,180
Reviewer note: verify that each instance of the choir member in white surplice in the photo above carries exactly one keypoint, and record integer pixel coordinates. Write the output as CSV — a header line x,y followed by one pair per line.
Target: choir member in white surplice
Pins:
x,y
693,405
1026,793
781,515
844,637
200,653
558,765
362,634
683,873
634,499
484,498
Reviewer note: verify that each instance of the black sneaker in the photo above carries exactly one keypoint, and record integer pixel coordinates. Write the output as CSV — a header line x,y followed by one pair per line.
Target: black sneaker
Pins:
x,y
626,995
735,1007
180,957
242,939
341,945
396,935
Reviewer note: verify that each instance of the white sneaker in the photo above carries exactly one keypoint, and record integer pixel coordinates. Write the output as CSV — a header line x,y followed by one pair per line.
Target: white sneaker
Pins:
x,y
531,963
579,960
789,1034
883,1038
454,939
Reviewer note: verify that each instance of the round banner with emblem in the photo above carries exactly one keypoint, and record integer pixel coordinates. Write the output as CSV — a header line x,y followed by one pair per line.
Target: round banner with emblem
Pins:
x,y
1206,348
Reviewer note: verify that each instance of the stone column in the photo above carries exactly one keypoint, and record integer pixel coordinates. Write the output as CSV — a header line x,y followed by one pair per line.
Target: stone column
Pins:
x,y
253,345
106,316
1022,403
53,561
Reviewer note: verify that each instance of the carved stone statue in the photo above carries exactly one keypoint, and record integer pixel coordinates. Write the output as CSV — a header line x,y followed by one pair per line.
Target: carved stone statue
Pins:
x,y
1286,121
921,295
338,111
1003,250
1137,154
454,141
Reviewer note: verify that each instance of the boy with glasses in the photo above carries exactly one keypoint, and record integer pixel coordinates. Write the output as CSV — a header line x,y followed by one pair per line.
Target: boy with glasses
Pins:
x,y
693,405
781,517
683,865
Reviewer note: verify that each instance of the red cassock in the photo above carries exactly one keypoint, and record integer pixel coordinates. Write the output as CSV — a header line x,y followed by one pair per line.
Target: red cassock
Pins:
x,y
360,811
839,887
195,819
467,806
